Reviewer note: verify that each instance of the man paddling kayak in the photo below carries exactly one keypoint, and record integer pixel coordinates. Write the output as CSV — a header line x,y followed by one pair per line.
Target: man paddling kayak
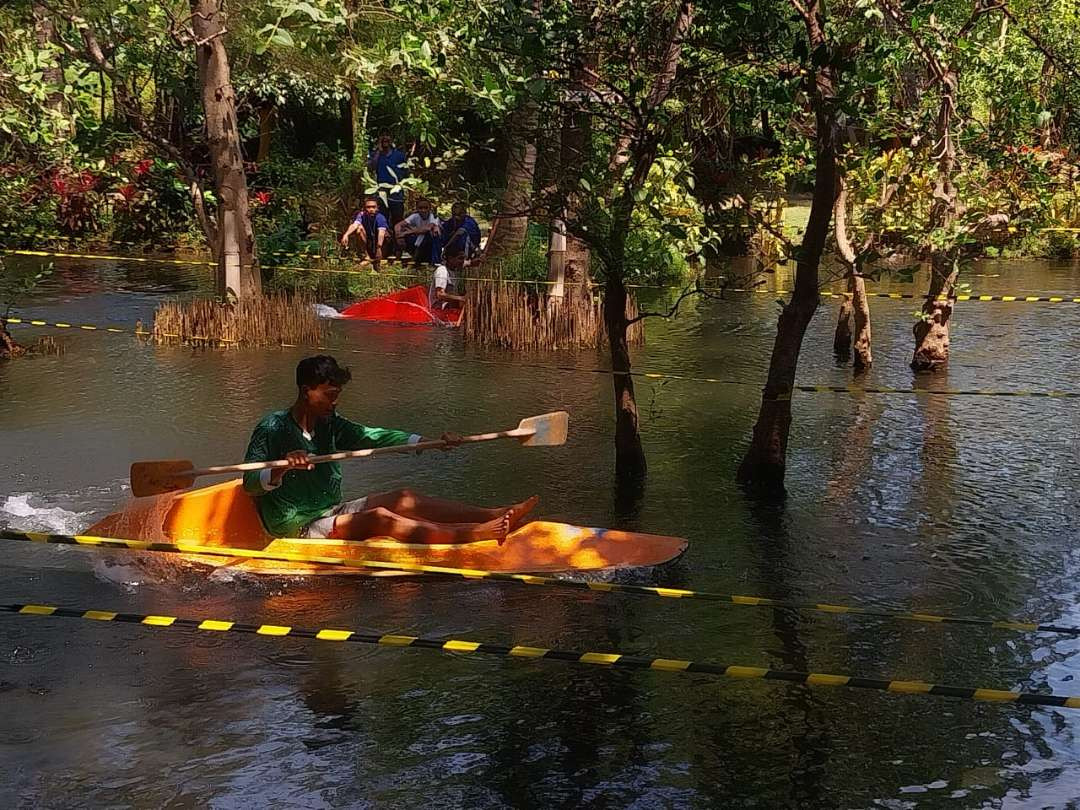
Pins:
x,y
304,499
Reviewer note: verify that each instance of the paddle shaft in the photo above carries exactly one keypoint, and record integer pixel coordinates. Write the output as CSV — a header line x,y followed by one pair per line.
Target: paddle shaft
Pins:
x,y
516,433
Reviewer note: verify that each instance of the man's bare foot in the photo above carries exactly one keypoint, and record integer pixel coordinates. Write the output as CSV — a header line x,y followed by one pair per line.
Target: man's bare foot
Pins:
x,y
496,529
518,511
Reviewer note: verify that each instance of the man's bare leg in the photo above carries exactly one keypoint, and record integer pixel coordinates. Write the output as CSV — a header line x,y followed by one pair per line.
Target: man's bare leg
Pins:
x,y
410,504
381,522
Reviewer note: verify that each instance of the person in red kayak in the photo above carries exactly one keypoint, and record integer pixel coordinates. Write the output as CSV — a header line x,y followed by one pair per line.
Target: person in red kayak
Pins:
x,y
304,499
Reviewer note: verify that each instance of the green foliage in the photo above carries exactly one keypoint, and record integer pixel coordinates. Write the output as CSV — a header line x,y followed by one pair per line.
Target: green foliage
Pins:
x,y
448,76
153,204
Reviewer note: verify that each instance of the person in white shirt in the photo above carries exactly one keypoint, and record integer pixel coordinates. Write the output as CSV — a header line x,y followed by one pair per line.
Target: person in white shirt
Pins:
x,y
420,235
443,291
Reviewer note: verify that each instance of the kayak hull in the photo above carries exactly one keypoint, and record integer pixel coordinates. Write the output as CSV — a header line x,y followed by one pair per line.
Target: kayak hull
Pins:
x,y
404,306
224,515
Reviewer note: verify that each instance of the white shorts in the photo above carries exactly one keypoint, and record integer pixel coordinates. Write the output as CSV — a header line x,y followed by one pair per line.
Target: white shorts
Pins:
x,y
323,527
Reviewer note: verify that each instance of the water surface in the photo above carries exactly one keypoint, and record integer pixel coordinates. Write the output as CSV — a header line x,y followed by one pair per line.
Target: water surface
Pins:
x,y
957,505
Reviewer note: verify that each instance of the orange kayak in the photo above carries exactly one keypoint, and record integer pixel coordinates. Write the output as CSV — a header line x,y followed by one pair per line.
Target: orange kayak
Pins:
x,y
224,515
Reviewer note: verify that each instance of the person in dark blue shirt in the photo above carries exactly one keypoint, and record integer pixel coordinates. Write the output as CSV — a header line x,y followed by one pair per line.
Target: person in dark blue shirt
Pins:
x,y
461,236
371,227
388,164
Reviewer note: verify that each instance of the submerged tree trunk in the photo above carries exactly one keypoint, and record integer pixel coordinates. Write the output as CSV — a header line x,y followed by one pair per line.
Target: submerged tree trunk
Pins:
x,y
629,454
856,303
765,461
8,347
511,224
932,329
236,241
841,345
860,303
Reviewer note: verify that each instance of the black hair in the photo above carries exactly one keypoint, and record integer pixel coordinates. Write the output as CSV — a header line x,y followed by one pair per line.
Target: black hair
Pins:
x,y
371,198
459,204
313,371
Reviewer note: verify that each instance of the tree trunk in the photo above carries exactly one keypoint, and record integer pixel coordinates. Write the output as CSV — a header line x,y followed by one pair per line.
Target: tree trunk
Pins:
x,y
358,111
932,330
856,304
860,303
841,345
629,454
236,271
766,458
53,74
557,262
575,142
9,349
511,224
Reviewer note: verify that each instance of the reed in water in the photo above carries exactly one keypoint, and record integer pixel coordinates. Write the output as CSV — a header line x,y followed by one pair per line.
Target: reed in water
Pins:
x,y
261,321
525,316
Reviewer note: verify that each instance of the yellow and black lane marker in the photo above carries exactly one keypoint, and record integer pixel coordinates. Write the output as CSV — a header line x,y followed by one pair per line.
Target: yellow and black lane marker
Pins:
x,y
105,257
89,327
1020,626
968,392
86,327
603,659
1022,299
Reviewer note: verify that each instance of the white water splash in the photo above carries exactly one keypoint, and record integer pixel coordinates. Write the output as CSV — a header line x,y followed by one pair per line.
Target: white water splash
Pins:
x,y
324,311
25,512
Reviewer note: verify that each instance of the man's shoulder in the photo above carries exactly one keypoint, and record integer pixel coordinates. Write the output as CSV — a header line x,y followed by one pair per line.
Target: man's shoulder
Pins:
x,y
275,420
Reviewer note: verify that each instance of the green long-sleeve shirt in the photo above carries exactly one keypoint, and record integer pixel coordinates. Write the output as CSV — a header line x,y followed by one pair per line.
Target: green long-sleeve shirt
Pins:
x,y
304,495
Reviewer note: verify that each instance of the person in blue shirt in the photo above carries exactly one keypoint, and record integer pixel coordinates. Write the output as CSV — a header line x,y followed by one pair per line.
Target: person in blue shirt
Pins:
x,y
461,237
388,164
371,227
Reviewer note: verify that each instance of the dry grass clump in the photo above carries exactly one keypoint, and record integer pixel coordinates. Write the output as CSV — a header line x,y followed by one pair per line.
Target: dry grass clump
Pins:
x,y
519,316
47,345
261,321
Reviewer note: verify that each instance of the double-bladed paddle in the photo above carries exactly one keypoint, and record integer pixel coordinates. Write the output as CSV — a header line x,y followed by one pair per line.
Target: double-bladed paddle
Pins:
x,y
159,477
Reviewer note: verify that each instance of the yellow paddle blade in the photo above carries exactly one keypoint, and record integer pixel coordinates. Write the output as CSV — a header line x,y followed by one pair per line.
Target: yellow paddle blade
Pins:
x,y
546,430
159,477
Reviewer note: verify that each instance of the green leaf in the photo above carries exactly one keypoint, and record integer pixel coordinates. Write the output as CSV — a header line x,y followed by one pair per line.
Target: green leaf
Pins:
x,y
283,38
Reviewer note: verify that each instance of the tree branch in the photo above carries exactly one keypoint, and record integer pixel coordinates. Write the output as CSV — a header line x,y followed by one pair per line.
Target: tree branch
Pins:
x,y
673,311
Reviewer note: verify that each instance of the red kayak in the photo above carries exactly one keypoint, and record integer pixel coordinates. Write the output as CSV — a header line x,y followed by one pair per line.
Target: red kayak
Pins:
x,y
404,306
